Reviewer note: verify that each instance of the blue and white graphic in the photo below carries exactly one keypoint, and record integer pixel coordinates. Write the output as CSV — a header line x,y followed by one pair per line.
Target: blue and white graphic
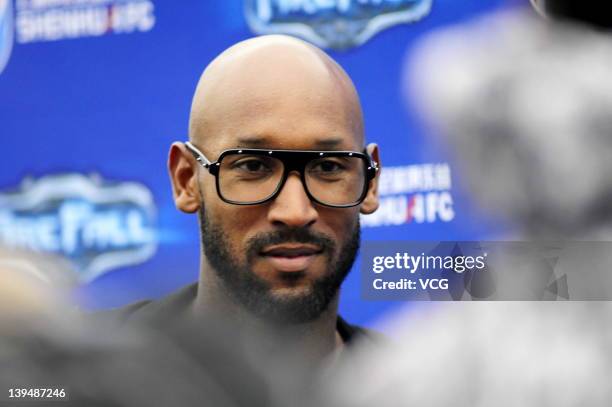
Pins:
x,y
337,24
98,225
6,32
419,193
41,21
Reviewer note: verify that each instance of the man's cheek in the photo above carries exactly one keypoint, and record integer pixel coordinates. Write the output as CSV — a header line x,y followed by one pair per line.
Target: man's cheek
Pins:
x,y
346,230
234,223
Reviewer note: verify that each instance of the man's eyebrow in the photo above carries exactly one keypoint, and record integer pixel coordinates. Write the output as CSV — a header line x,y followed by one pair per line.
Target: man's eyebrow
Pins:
x,y
328,143
252,142
264,142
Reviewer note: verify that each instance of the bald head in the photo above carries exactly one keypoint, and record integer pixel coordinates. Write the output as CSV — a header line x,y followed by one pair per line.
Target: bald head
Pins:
x,y
275,91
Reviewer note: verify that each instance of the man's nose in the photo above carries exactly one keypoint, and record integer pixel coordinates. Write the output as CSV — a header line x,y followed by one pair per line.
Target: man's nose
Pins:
x,y
292,207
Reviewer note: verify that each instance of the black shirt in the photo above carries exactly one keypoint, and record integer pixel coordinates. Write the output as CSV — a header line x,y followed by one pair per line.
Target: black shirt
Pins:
x,y
219,348
178,302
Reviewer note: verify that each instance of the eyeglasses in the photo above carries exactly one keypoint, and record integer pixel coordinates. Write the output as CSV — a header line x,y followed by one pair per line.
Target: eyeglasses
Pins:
x,y
338,179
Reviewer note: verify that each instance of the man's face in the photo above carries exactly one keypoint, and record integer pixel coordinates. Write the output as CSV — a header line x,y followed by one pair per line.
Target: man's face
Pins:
x,y
283,259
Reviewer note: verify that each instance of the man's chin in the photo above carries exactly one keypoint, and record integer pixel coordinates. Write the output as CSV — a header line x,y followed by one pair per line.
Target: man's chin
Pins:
x,y
290,305
290,293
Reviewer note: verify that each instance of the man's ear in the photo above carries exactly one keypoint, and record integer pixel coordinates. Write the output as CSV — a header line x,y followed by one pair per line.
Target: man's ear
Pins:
x,y
370,203
183,176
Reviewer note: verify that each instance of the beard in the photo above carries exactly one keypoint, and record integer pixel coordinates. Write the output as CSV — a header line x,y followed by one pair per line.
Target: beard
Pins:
x,y
255,294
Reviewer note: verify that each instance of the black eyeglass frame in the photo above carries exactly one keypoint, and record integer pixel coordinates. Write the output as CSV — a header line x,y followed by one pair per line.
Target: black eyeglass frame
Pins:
x,y
293,160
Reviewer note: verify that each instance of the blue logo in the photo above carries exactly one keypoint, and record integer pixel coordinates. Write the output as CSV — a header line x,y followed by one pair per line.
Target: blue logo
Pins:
x,y
97,225
337,24
6,32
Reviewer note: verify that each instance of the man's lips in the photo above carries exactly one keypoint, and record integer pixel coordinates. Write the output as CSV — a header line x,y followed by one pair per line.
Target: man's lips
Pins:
x,y
291,257
291,250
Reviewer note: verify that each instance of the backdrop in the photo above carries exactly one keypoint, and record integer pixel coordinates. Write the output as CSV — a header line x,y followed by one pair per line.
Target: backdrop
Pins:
x,y
92,93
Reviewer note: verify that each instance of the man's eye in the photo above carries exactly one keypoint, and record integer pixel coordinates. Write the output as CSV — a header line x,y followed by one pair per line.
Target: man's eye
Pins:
x,y
252,165
327,166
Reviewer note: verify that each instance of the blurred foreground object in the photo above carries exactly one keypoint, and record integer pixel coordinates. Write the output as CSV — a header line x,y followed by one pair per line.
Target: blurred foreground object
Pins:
x,y
103,366
32,286
45,343
543,354
524,105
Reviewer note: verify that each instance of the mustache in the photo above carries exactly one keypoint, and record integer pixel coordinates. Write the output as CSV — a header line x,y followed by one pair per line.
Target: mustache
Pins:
x,y
257,243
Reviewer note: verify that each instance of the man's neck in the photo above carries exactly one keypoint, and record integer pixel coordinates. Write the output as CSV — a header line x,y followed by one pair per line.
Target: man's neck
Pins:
x,y
312,341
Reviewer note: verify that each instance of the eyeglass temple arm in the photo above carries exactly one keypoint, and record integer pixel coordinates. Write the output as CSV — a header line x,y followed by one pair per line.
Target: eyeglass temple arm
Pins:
x,y
199,156
373,164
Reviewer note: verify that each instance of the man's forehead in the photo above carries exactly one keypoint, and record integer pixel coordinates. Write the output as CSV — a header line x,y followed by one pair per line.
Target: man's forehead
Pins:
x,y
276,93
320,143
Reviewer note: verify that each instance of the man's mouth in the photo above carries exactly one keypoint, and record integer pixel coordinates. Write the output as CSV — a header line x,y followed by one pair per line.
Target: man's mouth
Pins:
x,y
291,257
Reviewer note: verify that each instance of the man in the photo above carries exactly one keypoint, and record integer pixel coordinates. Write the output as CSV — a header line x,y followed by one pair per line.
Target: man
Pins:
x,y
277,171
